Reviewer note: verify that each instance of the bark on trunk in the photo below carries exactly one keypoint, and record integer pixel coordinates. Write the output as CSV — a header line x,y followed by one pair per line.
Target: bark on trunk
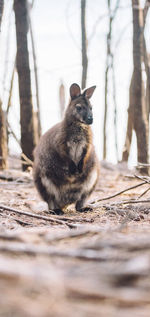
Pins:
x,y
3,133
127,146
140,123
28,139
108,58
3,140
105,112
1,11
84,44
147,70
145,101
36,81
62,99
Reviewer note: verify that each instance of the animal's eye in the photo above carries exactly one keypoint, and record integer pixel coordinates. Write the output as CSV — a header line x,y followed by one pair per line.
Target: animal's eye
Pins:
x,y
78,107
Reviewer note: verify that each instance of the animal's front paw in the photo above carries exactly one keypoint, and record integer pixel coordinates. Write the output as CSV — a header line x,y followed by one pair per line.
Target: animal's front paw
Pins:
x,y
86,209
80,208
56,212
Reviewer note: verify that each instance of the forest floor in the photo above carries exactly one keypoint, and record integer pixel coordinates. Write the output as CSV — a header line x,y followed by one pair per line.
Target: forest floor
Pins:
x,y
79,264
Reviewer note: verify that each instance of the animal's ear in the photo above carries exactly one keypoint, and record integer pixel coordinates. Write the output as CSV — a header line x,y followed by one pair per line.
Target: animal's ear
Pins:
x,y
75,91
89,92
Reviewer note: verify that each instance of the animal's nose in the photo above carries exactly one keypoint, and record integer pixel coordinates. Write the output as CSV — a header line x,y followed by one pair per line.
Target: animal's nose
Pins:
x,y
89,119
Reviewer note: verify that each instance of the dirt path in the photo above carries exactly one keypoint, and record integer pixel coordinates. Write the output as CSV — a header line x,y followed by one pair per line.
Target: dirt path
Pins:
x,y
93,264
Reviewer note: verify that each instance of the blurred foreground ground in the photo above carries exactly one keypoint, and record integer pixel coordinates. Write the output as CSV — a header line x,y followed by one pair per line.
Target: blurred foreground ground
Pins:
x,y
100,267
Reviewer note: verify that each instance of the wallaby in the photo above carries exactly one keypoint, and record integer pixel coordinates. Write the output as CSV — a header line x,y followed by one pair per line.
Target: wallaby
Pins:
x,y
66,168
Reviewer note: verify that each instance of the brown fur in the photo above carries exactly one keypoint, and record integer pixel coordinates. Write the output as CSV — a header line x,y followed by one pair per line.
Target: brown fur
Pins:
x,y
65,167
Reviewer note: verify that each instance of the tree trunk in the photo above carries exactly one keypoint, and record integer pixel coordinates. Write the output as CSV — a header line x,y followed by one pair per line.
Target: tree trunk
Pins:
x,y
140,124
84,44
147,70
62,99
36,80
127,146
3,140
108,65
28,138
146,64
145,103
3,133
105,111
1,11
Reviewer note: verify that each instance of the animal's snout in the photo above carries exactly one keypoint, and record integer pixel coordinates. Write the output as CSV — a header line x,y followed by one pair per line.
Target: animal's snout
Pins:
x,y
89,119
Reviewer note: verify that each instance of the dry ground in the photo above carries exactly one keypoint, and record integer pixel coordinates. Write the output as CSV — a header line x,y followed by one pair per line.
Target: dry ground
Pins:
x,y
91,264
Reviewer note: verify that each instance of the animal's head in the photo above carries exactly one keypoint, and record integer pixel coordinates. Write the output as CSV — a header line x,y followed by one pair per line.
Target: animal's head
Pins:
x,y
80,108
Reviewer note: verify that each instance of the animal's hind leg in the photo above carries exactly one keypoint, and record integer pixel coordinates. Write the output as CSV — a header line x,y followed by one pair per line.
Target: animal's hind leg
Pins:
x,y
50,199
80,204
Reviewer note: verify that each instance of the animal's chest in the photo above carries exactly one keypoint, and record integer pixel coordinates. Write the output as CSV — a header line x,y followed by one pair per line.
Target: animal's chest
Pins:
x,y
76,150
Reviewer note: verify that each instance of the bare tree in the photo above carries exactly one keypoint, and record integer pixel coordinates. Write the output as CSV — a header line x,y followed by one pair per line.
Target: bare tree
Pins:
x,y
145,104
146,59
28,135
127,145
3,133
36,76
1,11
3,140
140,118
109,65
84,44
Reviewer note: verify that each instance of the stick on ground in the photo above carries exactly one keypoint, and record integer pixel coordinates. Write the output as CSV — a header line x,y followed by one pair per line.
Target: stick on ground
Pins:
x,y
119,193
29,214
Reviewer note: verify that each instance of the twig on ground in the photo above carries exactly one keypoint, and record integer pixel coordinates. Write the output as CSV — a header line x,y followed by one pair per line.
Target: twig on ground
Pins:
x,y
144,193
118,193
29,184
7,178
145,178
124,202
29,214
24,223
73,219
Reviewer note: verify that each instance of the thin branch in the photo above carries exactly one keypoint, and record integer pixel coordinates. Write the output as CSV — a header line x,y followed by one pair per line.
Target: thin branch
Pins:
x,y
11,88
119,193
23,162
29,214
101,18
68,26
26,159
143,178
115,106
144,193
24,223
12,132
130,201
121,36
145,10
